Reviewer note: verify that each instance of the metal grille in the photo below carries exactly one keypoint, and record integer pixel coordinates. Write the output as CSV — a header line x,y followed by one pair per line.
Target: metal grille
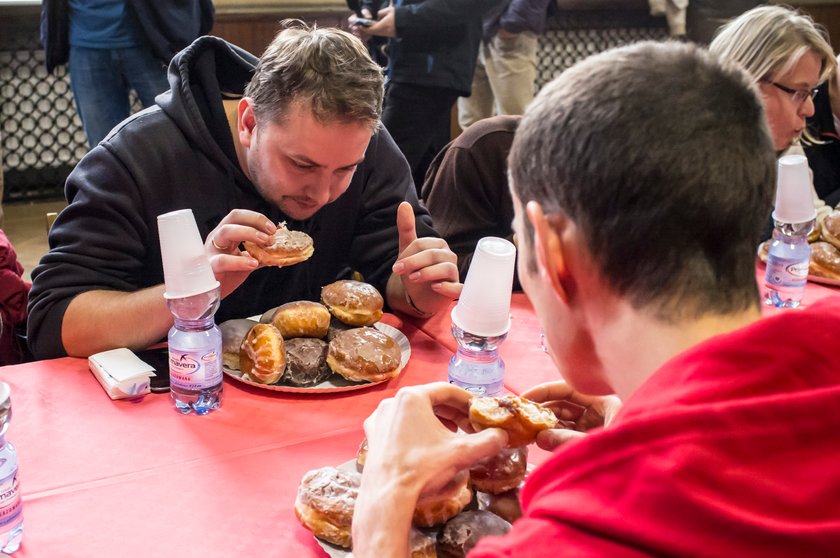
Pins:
x,y
42,136
572,36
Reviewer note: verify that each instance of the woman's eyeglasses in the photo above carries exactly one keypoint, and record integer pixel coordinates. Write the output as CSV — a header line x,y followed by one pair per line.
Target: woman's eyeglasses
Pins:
x,y
798,95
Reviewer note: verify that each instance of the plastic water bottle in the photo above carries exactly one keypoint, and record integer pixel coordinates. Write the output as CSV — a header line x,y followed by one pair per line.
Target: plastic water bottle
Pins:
x,y
477,366
11,506
787,264
195,353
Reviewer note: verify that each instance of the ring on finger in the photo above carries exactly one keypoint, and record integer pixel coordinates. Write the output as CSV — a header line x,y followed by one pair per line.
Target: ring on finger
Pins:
x,y
220,248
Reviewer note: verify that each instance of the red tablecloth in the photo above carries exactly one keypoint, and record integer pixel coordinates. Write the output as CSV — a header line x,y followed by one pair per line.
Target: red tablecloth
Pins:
x,y
137,479
120,478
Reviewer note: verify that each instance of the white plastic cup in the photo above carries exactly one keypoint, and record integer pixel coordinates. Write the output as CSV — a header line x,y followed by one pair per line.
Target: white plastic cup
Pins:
x,y
794,200
186,267
484,306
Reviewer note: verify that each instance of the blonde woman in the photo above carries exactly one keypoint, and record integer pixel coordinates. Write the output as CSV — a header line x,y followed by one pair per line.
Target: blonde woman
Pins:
x,y
787,55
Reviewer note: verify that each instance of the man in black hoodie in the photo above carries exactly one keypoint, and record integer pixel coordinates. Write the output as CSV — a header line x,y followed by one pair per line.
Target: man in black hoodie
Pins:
x,y
245,144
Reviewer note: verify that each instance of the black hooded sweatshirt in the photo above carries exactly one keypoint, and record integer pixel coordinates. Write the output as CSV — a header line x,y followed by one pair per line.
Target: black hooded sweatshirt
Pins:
x,y
180,154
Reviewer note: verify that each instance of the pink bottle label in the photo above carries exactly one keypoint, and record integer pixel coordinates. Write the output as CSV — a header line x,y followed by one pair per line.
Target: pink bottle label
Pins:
x,y
10,502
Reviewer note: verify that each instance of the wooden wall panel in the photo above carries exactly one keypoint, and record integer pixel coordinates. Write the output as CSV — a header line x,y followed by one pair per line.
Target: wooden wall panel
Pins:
x,y
829,16
253,32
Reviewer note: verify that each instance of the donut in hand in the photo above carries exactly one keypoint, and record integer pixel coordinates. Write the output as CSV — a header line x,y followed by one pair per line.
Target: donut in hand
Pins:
x,y
521,418
285,247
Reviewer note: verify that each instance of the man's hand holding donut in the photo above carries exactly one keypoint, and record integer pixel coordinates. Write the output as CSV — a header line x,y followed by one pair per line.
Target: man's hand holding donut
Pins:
x,y
231,265
578,413
425,275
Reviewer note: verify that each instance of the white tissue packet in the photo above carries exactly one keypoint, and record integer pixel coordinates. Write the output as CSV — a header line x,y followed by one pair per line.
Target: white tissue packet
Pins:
x,y
122,374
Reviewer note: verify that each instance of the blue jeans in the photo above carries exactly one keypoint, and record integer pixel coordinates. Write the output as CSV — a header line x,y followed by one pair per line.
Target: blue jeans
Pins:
x,y
101,80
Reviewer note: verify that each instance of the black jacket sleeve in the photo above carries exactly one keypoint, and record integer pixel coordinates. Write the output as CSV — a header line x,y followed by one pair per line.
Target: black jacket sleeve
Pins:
x,y
97,243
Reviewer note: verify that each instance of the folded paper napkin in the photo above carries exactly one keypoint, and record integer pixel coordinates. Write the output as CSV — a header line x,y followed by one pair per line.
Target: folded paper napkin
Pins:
x,y
121,373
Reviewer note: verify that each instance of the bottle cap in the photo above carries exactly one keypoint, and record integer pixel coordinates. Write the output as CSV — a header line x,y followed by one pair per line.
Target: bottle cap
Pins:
x,y
186,267
794,200
484,306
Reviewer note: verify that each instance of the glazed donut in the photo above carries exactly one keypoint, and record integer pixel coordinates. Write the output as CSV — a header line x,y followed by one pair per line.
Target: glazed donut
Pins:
x,y
353,302
520,418
462,533
233,332
285,248
506,505
262,355
830,228
444,504
325,502
364,354
825,260
302,318
501,472
306,362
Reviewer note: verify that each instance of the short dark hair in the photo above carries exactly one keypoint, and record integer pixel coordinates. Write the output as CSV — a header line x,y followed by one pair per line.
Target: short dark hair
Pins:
x,y
328,69
661,156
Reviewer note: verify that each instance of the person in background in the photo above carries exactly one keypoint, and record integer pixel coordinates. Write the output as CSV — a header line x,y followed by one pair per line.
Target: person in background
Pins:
x,y
245,143
788,56
432,53
466,188
13,297
638,259
376,45
506,69
823,149
114,46
2,186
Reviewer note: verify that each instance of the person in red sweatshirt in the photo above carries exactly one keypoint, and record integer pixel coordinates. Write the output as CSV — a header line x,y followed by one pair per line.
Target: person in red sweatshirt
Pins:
x,y
641,178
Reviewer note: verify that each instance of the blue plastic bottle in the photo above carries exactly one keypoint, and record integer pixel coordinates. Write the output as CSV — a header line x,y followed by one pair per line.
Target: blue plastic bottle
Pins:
x,y
477,366
787,264
11,506
195,354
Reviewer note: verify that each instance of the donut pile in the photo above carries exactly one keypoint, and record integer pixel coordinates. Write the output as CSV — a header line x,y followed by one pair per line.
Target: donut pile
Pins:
x,y
477,502
825,248
303,343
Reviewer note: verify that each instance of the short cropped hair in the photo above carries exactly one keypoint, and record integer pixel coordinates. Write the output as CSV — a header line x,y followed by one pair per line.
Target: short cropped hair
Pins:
x,y
661,156
767,41
328,69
